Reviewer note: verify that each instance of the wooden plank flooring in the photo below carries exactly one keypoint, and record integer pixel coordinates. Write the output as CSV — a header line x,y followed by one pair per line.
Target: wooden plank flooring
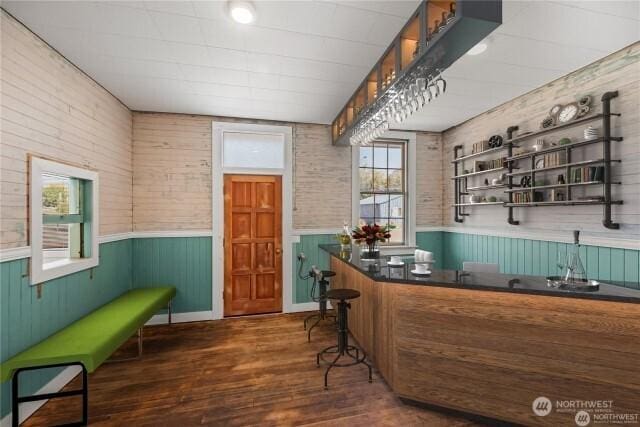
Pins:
x,y
236,372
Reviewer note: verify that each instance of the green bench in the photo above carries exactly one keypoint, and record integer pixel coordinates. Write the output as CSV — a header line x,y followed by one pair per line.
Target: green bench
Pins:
x,y
87,343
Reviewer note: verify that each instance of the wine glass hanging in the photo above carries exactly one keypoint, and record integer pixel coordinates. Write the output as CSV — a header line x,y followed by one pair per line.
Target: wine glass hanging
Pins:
x,y
403,98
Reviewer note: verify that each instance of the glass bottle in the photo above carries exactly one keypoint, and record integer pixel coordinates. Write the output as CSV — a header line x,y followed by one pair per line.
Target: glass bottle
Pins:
x,y
575,272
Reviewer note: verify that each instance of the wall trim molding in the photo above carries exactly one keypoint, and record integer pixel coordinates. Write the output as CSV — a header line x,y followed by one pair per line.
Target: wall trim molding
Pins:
x,y
56,384
542,235
305,306
12,254
194,316
314,231
170,233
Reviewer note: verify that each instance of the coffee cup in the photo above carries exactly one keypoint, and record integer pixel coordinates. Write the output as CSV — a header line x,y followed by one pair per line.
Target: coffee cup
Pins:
x,y
395,260
421,268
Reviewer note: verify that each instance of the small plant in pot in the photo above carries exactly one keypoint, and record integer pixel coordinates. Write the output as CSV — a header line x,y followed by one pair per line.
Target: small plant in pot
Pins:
x,y
369,236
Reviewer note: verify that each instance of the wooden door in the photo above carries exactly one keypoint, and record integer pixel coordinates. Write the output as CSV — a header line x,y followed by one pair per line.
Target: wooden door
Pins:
x,y
252,244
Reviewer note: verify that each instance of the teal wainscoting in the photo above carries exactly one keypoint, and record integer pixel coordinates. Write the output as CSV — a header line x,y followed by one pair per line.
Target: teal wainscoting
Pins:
x,y
315,256
183,262
539,257
26,319
432,241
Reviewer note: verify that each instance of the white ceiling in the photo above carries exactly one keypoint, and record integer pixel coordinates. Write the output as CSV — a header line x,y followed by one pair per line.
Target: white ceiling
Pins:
x,y
301,60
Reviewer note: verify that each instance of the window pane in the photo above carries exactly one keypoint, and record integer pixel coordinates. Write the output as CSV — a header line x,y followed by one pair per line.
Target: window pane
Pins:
x,y
55,243
395,157
366,179
396,206
253,150
379,180
397,234
366,157
382,206
380,157
367,206
396,180
60,195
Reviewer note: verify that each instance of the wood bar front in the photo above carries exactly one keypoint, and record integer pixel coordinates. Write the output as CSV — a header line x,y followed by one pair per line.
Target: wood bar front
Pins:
x,y
492,353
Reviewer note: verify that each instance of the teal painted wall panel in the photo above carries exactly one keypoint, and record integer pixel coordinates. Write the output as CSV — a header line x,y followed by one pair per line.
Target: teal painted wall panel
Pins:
x,y
536,257
27,319
432,241
183,262
315,256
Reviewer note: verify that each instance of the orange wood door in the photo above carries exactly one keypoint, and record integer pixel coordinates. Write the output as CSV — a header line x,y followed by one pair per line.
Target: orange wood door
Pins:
x,y
252,244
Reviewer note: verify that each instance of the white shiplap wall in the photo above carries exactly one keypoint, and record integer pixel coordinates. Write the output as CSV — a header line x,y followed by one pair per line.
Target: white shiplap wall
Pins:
x,y
619,71
52,109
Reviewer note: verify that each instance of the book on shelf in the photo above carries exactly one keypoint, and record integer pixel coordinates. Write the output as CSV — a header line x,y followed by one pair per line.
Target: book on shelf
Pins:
x,y
587,174
484,165
479,147
525,197
557,158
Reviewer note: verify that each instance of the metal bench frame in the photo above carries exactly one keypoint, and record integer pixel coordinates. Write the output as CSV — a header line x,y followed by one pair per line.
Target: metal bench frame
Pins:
x,y
16,399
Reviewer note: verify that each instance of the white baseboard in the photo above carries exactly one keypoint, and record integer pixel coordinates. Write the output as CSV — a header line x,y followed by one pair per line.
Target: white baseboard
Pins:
x,y
194,316
56,384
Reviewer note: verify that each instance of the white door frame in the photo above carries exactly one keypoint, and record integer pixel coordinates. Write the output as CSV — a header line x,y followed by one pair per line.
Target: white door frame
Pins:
x,y
217,208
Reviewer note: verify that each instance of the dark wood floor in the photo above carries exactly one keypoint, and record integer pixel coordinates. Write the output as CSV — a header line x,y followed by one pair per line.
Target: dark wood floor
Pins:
x,y
236,372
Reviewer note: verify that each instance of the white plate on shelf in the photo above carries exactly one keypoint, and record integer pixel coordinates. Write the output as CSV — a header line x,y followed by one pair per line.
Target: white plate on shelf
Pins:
x,y
418,273
395,264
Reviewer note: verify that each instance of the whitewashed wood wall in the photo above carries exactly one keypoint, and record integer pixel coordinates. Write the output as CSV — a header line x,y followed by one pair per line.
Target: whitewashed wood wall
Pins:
x,y
619,71
172,173
49,108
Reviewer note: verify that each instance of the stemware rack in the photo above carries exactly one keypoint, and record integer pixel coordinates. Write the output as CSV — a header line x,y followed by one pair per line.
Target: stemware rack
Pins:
x,y
510,188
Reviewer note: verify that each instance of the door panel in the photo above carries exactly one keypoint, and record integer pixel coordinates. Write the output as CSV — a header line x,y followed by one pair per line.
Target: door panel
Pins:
x,y
252,244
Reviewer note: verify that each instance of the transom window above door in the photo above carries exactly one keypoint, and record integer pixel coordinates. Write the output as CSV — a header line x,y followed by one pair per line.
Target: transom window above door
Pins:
x,y
383,184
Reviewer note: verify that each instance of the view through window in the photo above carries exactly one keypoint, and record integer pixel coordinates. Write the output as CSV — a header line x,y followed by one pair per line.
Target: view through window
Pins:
x,y
383,187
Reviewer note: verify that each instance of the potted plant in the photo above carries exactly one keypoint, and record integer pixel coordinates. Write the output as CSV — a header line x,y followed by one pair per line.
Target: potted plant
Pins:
x,y
371,235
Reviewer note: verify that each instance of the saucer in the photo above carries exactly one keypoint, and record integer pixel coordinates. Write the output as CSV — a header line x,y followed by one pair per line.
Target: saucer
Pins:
x,y
417,273
393,264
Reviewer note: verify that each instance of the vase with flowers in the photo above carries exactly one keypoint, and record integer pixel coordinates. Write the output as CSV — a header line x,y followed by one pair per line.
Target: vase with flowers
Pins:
x,y
370,236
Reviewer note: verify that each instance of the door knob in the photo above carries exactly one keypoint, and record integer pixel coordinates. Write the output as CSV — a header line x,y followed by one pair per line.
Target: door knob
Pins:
x,y
278,251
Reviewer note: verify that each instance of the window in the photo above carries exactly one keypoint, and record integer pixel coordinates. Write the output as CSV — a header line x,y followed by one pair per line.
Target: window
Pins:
x,y
64,219
253,150
383,187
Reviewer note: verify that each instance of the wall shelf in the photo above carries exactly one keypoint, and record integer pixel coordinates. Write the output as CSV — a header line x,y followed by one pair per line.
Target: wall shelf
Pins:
x,y
467,175
570,168
564,203
562,166
479,204
482,153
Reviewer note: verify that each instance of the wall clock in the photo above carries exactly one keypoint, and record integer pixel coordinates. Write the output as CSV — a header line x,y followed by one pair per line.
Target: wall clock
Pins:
x,y
555,110
568,113
547,122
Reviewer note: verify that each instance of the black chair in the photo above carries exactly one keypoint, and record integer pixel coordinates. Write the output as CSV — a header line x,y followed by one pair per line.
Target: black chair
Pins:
x,y
342,348
321,281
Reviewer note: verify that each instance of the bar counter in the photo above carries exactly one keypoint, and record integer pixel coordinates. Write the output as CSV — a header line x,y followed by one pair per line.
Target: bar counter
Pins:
x,y
490,344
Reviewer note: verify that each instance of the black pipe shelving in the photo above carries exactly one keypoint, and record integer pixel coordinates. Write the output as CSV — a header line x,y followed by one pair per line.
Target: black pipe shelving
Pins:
x,y
460,181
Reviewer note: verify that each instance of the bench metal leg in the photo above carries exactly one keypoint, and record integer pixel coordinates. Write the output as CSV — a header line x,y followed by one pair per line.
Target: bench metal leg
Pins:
x,y
169,308
127,359
16,399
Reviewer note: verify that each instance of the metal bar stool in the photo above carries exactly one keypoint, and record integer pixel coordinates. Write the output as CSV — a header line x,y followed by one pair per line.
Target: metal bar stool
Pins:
x,y
319,279
342,348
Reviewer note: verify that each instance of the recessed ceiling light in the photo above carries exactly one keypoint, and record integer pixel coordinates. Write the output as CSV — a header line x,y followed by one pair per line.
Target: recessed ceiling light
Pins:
x,y
242,12
477,49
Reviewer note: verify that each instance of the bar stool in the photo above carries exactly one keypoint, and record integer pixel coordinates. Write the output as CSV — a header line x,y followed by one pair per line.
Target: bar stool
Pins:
x,y
321,315
342,348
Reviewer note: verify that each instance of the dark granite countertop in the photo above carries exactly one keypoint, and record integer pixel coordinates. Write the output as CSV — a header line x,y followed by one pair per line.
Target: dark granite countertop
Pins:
x,y
379,271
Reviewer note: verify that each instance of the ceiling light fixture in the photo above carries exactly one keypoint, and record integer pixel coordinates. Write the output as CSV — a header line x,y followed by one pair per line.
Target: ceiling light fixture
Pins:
x,y
477,49
242,12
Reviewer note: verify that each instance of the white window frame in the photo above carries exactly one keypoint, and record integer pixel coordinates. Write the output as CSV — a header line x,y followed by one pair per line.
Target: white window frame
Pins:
x,y
410,221
61,268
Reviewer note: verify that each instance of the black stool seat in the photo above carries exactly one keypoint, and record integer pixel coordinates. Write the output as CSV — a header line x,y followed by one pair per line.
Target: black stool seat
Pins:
x,y
343,294
343,348
328,273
